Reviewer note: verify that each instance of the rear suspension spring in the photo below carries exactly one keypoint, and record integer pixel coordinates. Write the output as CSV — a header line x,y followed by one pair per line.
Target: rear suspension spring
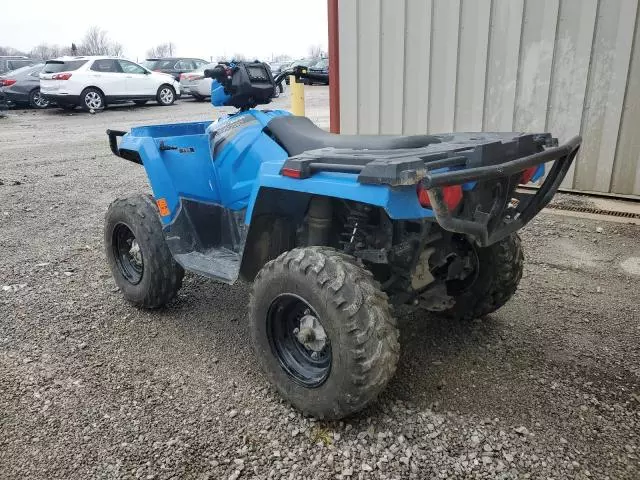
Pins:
x,y
356,225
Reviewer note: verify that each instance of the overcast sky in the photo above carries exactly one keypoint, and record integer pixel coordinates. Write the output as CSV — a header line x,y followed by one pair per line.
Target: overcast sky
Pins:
x,y
201,29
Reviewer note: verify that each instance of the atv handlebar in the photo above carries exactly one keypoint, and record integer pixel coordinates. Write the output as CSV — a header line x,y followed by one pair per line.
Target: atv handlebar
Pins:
x,y
217,73
298,71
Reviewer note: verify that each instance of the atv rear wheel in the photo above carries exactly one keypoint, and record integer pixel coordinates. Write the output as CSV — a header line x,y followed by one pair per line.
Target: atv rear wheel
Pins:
x,y
323,331
498,273
141,263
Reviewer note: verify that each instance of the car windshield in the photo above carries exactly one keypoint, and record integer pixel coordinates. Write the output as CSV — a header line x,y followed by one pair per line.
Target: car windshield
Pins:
x,y
305,62
324,63
208,66
55,66
159,64
17,71
150,64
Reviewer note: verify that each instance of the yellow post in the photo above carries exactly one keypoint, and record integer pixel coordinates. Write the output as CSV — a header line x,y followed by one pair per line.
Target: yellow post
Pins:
x,y
297,96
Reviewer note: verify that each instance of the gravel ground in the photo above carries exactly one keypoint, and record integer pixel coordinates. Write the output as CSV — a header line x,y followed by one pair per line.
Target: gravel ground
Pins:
x,y
90,387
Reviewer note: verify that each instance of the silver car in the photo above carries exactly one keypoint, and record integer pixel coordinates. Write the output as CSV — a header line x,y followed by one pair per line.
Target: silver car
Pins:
x,y
195,84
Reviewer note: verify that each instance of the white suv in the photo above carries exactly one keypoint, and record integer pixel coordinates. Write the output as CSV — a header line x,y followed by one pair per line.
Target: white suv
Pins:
x,y
95,82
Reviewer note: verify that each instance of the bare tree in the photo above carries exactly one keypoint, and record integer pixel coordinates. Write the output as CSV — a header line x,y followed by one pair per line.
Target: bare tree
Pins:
x,y
116,49
45,51
162,50
11,51
316,51
97,42
283,57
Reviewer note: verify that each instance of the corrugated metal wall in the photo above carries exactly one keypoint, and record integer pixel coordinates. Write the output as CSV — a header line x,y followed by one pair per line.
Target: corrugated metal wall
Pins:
x,y
565,66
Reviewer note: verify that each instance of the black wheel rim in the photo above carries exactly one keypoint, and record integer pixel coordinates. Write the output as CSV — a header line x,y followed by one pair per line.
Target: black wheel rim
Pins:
x,y
308,367
127,254
467,251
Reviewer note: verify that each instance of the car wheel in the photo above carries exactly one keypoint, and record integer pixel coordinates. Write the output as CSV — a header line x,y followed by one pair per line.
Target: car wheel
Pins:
x,y
92,99
36,100
140,102
166,95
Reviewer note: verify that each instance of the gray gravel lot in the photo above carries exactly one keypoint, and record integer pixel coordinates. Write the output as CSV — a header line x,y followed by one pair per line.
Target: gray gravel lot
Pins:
x,y
90,387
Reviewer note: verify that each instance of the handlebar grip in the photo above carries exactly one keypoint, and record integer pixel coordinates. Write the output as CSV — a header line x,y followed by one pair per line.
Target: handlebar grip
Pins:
x,y
217,73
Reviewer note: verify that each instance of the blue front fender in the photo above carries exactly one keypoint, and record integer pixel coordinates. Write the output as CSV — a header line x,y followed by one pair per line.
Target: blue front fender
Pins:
x,y
400,203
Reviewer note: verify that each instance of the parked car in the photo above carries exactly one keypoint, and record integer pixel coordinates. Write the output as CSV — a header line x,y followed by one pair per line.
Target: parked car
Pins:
x,y
173,65
9,63
276,67
303,62
3,103
95,82
195,84
319,72
22,86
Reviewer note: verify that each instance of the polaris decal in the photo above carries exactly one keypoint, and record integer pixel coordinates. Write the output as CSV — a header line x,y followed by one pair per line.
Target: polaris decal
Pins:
x,y
222,132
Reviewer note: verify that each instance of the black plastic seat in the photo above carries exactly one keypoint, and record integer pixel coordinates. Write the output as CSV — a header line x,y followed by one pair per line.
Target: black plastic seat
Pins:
x,y
299,134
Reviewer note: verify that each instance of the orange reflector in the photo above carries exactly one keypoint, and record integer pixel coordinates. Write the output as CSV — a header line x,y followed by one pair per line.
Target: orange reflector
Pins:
x,y
292,173
163,208
452,196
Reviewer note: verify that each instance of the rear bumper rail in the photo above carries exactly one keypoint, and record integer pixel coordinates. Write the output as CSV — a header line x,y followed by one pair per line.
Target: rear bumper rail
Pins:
x,y
503,217
489,159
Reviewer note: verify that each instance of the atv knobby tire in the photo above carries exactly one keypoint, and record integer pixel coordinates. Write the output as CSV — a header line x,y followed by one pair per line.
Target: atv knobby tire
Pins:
x,y
499,272
161,275
355,315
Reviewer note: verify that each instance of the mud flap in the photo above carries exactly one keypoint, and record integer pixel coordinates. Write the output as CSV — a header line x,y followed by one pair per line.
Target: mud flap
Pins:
x,y
208,239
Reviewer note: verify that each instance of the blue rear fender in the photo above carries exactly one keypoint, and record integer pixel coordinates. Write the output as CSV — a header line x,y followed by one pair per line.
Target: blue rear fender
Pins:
x,y
400,203
185,171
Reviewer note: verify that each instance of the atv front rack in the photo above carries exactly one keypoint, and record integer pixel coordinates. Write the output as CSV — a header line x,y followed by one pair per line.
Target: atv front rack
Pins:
x,y
494,160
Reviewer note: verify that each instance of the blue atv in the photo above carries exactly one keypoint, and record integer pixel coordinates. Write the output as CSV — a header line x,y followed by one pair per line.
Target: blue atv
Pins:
x,y
333,231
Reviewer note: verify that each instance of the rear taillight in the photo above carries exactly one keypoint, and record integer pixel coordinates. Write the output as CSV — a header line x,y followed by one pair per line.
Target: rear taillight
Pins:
x,y
528,174
452,196
291,173
6,83
62,76
532,174
182,75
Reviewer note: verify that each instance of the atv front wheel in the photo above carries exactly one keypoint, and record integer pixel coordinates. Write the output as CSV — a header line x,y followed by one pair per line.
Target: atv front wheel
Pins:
x,y
498,273
322,331
141,263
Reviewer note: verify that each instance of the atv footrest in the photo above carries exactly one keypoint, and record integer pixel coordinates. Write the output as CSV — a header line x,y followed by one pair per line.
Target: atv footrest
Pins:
x,y
218,263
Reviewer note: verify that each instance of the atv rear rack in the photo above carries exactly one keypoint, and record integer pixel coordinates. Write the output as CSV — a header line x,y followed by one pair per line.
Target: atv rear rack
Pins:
x,y
513,218
458,159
